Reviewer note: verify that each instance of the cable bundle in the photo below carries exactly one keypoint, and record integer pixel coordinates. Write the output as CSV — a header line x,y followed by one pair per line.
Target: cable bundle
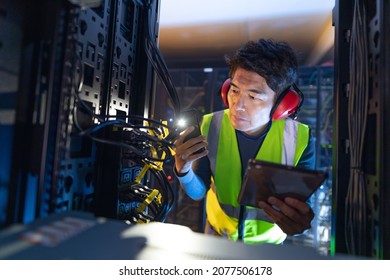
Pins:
x,y
155,58
146,142
153,204
356,200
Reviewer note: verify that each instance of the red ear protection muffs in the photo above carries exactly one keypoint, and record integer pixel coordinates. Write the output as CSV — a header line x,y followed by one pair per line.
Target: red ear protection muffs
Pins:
x,y
224,92
287,104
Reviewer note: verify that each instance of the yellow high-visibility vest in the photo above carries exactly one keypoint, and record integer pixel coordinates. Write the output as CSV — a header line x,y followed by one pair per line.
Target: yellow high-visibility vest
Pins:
x,y
284,143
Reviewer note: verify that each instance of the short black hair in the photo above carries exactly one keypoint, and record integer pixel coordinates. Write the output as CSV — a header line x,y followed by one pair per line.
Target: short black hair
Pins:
x,y
275,61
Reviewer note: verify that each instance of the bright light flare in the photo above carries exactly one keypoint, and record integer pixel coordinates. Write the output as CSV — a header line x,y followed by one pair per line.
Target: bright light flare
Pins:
x,y
181,123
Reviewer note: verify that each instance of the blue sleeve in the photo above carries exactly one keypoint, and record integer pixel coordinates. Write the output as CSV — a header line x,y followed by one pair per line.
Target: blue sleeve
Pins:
x,y
193,185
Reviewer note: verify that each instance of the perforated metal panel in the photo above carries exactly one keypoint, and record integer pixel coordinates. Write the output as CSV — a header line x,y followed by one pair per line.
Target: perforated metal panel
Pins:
x,y
77,68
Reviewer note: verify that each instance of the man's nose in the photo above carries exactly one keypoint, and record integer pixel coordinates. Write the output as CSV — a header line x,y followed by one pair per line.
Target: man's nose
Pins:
x,y
240,101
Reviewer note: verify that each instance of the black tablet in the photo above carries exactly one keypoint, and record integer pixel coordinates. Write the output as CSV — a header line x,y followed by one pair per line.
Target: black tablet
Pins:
x,y
263,179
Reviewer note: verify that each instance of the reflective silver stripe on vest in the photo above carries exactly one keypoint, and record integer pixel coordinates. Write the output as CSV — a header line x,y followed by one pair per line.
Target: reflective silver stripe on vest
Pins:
x,y
213,138
289,142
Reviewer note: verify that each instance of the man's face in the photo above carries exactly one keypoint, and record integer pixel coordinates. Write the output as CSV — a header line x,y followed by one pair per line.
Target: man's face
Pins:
x,y
250,102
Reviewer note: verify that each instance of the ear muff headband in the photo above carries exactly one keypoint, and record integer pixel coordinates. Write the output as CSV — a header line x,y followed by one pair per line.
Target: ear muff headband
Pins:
x,y
287,104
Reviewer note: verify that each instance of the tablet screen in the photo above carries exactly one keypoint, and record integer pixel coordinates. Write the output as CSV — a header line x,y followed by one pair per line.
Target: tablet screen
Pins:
x,y
263,179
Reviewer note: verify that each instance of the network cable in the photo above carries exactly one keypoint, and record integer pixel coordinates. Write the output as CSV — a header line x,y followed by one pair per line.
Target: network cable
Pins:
x,y
356,199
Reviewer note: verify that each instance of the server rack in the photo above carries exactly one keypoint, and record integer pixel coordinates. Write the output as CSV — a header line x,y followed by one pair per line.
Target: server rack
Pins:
x,y
71,68
360,225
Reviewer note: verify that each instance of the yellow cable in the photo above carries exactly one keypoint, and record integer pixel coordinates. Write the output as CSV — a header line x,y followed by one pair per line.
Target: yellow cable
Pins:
x,y
147,200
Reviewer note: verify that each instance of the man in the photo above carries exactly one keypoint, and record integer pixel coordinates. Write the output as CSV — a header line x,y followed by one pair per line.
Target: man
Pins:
x,y
259,73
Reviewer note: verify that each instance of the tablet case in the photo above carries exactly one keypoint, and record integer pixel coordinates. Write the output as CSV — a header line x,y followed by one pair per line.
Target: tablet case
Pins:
x,y
263,179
